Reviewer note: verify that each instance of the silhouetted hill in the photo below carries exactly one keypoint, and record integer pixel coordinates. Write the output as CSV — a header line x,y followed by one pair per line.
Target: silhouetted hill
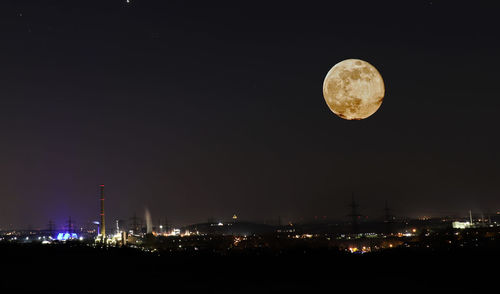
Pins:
x,y
241,228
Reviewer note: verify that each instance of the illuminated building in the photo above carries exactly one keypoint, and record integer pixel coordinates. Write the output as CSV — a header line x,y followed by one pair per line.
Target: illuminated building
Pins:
x,y
461,225
66,236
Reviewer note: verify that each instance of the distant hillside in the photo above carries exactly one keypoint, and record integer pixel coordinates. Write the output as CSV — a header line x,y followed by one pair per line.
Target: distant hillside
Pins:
x,y
240,228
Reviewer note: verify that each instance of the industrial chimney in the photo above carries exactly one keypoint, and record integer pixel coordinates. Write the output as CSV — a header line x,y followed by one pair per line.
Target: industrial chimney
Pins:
x,y
103,222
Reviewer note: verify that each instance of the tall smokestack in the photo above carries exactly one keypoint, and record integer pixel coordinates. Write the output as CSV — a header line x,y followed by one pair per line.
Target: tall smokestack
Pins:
x,y
103,220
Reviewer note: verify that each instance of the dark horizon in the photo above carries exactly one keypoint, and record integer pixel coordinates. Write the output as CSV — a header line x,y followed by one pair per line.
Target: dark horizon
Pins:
x,y
197,110
60,223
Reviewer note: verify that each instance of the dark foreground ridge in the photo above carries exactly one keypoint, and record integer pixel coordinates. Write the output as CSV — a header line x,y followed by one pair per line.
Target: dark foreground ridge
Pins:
x,y
73,266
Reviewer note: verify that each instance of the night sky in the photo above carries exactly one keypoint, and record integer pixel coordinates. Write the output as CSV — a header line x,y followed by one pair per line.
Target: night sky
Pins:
x,y
200,109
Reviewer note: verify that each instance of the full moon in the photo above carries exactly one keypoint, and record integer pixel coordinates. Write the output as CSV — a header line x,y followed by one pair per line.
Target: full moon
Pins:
x,y
353,89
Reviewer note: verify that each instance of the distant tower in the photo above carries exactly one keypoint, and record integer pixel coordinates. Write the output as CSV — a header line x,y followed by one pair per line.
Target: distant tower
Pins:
x,y
103,219
135,225
388,218
354,215
51,228
70,226
166,225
